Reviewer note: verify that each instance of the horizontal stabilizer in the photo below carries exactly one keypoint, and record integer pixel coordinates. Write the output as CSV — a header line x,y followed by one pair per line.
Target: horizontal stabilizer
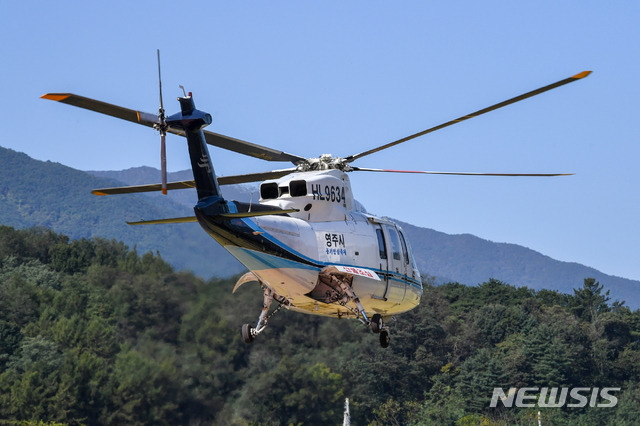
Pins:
x,y
258,213
190,219
187,219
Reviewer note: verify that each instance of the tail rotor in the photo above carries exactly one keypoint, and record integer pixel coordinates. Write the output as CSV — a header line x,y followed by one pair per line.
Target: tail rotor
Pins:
x,y
161,126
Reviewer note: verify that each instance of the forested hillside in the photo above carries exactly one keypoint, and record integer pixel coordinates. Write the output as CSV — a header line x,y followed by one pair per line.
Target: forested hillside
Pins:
x,y
94,333
38,193
468,259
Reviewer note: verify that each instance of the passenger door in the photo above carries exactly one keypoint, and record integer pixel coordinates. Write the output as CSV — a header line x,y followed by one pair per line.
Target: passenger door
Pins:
x,y
396,267
383,257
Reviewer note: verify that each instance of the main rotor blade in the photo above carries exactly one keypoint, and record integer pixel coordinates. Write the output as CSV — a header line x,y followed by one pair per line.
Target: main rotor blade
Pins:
x,y
364,169
144,188
127,114
186,184
250,149
254,177
149,120
190,219
473,114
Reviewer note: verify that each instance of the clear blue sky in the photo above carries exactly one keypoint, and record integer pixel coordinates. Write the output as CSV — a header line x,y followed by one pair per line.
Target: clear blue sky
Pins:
x,y
341,77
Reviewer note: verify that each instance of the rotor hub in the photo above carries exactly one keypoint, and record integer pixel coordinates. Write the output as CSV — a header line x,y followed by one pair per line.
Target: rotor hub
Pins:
x,y
324,162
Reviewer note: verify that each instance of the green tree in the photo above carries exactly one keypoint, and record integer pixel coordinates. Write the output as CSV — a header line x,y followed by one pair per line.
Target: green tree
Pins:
x,y
31,387
143,390
297,393
479,375
589,301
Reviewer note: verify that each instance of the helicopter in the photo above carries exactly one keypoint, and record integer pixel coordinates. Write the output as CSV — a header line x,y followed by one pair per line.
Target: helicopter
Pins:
x,y
307,242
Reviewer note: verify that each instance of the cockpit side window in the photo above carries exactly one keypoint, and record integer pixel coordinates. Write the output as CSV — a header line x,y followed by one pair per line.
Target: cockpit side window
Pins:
x,y
298,188
382,247
269,191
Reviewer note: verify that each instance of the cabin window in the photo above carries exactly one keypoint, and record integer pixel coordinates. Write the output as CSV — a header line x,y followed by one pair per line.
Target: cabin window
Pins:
x,y
382,247
298,188
284,190
395,242
405,252
269,191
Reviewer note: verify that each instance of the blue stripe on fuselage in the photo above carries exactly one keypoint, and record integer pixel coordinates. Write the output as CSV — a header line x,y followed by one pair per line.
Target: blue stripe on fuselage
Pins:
x,y
257,260
284,256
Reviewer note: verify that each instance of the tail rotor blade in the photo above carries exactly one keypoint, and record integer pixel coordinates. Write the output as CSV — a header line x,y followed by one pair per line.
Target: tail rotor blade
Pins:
x,y
162,127
163,161
161,109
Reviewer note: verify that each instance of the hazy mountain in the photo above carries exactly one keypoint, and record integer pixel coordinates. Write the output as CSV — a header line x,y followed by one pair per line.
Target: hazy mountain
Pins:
x,y
35,193
470,260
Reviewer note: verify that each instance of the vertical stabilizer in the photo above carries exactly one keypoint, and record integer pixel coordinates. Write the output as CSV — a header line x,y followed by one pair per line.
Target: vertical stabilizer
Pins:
x,y
192,121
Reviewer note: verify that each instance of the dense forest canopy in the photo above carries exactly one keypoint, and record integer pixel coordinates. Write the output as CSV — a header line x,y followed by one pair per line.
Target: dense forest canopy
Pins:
x,y
92,332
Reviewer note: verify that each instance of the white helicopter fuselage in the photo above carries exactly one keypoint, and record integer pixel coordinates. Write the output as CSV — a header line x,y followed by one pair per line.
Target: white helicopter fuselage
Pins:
x,y
330,234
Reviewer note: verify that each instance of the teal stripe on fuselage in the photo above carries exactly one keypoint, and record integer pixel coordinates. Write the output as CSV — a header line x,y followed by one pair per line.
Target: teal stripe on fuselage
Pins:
x,y
257,260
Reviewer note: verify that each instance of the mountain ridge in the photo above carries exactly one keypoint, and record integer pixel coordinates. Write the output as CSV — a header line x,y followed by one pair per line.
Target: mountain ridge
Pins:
x,y
64,204
479,260
39,193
